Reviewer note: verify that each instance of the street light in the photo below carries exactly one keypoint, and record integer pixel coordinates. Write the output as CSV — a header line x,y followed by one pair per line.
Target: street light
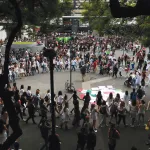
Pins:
x,y
50,53
70,90
71,57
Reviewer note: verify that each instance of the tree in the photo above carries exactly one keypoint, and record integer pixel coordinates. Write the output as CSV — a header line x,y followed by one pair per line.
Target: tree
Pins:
x,y
142,7
17,11
64,8
97,13
99,16
144,26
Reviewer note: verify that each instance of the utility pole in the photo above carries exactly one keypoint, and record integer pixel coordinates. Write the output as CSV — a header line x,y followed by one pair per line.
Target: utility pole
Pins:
x,y
54,143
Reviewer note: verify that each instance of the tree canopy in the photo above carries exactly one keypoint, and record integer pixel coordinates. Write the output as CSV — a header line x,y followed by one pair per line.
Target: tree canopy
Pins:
x,y
35,12
98,14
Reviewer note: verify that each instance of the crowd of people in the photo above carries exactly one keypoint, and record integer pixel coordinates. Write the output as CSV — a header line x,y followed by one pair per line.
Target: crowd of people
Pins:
x,y
102,113
97,55
92,54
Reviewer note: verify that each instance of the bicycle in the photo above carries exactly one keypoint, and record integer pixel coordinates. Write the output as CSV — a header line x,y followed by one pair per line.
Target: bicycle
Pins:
x,y
68,87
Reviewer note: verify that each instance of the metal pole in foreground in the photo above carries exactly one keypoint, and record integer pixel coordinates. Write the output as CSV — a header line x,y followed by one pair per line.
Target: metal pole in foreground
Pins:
x,y
50,53
52,95
54,143
70,69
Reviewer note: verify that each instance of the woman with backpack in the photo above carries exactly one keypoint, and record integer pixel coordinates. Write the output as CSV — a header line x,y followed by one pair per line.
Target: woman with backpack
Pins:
x,y
122,113
113,110
104,114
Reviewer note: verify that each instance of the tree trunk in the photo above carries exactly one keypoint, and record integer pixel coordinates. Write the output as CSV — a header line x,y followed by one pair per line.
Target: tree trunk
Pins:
x,y
5,93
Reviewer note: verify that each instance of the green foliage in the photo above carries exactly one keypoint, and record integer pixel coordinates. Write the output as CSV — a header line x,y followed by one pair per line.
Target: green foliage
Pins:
x,y
98,15
64,8
144,26
35,12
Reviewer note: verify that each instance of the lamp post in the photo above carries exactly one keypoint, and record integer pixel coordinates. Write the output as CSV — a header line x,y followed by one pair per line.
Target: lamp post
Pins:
x,y
70,90
50,53
71,57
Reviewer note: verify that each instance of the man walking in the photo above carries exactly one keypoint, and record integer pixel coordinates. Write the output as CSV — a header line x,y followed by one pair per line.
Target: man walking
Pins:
x,y
83,72
31,111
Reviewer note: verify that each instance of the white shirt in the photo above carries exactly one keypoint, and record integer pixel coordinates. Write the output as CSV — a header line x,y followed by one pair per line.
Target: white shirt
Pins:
x,y
37,63
54,61
10,72
61,63
16,69
149,76
120,69
66,62
29,93
73,62
94,114
60,99
49,96
21,92
58,63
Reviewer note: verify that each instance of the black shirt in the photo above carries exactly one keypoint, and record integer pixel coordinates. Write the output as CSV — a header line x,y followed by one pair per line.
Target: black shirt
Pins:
x,y
44,131
91,140
81,138
140,93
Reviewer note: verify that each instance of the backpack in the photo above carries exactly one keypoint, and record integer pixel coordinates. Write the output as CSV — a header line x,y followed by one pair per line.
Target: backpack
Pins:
x,y
46,98
28,96
133,96
143,82
114,134
103,110
113,108
83,70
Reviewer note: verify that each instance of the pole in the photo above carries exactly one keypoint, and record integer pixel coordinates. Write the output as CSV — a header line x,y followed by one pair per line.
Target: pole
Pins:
x,y
54,142
70,69
52,95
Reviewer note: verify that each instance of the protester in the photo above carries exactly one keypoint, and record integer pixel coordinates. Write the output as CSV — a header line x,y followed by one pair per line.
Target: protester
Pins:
x,y
113,136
